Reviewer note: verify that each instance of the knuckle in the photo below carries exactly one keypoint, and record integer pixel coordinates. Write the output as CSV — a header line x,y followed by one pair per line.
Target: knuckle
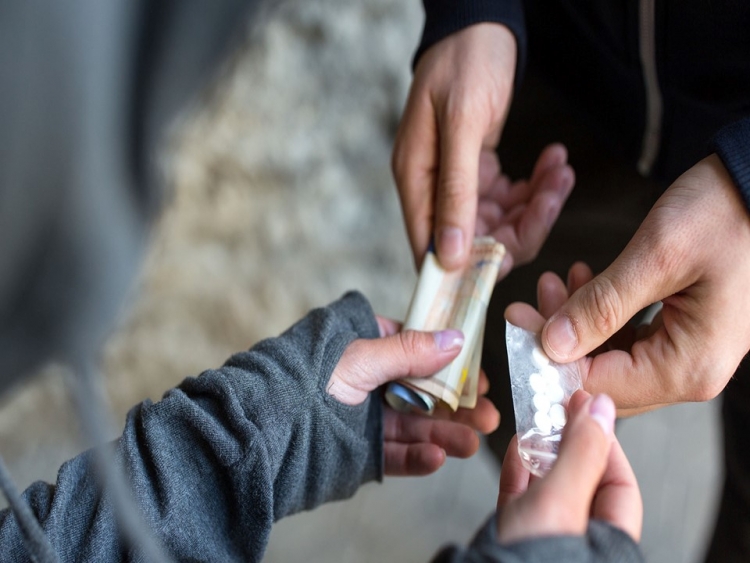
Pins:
x,y
707,379
459,109
412,343
702,390
453,187
398,159
605,308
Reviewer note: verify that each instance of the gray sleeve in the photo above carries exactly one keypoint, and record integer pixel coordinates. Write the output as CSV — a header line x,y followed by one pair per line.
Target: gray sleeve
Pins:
x,y
602,543
224,455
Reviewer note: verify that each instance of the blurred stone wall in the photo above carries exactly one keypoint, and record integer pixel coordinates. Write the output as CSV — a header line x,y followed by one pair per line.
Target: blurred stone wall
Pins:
x,y
281,199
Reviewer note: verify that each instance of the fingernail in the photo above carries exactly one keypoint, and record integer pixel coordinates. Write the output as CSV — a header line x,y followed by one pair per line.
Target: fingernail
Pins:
x,y
561,336
450,243
449,339
602,410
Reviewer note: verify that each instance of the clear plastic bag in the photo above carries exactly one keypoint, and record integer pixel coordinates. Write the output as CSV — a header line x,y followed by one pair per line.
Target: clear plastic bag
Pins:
x,y
541,390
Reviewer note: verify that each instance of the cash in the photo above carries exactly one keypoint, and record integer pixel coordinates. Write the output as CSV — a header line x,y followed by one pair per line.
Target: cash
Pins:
x,y
456,299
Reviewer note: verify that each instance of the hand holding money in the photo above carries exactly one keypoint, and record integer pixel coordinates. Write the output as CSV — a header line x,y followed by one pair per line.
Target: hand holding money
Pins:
x,y
412,445
457,299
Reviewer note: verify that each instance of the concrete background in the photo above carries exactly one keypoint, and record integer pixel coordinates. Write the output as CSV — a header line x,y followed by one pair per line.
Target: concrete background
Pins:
x,y
281,199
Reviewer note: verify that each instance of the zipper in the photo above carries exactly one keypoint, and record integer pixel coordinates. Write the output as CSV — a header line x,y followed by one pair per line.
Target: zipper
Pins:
x,y
647,48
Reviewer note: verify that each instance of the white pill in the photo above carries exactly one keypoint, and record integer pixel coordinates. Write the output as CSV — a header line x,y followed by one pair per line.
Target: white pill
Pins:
x,y
541,402
537,383
543,422
554,393
558,416
550,375
539,357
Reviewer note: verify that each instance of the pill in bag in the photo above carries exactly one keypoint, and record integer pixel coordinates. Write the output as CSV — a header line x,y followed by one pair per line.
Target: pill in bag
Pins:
x,y
541,390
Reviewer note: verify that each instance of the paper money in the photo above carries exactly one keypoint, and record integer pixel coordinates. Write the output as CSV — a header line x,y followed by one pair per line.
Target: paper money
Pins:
x,y
455,299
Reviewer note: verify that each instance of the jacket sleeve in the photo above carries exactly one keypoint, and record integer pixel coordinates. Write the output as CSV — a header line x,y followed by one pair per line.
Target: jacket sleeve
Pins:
x,y
443,17
224,455
732,145
602,543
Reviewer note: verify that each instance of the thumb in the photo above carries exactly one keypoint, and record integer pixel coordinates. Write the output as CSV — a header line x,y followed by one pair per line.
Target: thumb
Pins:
x,y
367,364
412,353
560,503
583,457
601,307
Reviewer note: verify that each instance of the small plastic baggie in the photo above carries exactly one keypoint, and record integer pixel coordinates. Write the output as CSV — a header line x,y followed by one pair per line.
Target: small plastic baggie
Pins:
x,y
541,390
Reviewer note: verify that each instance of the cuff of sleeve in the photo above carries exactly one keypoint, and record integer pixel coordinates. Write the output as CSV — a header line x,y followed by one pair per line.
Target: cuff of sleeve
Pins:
x,y
732,145
443,17
603,542
357,311
366,420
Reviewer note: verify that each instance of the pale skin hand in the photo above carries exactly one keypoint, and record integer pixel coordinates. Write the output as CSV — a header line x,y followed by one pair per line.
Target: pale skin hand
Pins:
x,y
592,477
414,444
444,163
692,252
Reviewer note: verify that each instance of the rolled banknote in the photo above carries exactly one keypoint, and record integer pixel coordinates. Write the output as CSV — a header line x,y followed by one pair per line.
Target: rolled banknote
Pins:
x,y
455,299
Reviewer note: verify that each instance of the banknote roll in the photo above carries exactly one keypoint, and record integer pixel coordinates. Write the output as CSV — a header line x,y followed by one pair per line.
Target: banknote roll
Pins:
x,y
450,299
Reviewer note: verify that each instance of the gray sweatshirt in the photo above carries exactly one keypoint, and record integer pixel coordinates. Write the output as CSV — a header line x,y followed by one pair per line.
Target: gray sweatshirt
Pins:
x,y
87,90
223,456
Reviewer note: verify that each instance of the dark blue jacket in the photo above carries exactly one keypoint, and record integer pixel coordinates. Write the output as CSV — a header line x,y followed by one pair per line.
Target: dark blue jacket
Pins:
x,y
676,72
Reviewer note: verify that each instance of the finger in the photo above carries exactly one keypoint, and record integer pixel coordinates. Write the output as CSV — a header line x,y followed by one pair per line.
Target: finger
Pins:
x,y
552,156
618,500
456,205
577,401
489,169
415,169
524,316
514,477
551,294
458,440
489,214
640,276
579,274
410,353
543,210
484,417
582,459
484,383
508,194
387,327
526,225
412,459
369,363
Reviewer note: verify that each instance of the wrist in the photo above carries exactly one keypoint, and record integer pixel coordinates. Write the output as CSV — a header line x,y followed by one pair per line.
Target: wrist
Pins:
x,y
447,17
479,52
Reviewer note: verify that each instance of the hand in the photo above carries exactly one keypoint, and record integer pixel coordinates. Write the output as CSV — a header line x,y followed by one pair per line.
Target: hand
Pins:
x,y
444,162
414,444
520,214
590,479
692,252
